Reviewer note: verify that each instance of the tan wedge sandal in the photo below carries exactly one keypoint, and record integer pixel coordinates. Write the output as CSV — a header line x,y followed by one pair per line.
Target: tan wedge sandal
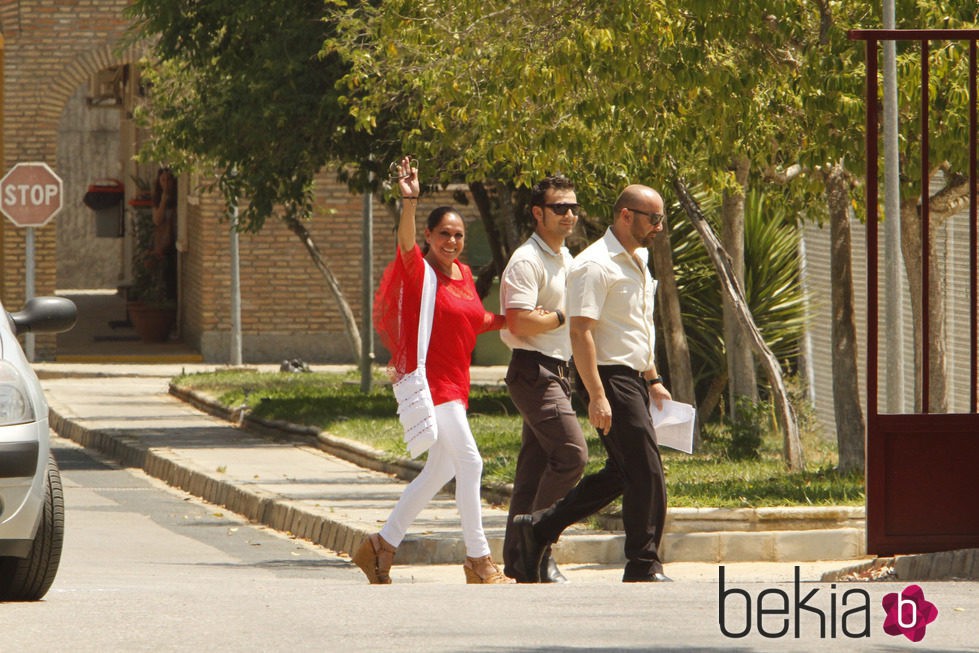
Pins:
x,y
483,571
375,557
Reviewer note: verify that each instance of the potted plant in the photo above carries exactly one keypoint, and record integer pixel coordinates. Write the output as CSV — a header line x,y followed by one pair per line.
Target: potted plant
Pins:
x,y
144,196
151,309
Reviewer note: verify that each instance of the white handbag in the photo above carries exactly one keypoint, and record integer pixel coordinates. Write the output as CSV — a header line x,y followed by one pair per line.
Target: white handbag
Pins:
x,y
416,410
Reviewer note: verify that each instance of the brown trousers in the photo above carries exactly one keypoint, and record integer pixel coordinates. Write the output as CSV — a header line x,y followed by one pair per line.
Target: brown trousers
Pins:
x,y
553,453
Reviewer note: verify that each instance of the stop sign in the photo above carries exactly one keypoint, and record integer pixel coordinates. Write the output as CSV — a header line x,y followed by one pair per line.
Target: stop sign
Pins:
x,y
30,194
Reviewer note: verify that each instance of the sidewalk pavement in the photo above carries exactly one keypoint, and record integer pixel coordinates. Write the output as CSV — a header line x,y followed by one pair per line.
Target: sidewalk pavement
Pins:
x,y
288,481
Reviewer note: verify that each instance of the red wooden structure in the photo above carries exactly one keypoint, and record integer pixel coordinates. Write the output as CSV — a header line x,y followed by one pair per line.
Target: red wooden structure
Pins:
x,y
922,469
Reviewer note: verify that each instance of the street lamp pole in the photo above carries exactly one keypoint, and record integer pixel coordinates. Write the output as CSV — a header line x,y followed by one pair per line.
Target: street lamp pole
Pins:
x,y
235,354
893,262
367,288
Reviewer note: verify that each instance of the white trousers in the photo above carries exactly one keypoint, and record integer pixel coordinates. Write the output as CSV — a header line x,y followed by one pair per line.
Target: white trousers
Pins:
x,y
454,454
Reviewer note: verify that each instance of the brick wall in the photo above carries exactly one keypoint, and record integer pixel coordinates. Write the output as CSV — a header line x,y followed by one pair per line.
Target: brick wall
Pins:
x,y
288,309
51,47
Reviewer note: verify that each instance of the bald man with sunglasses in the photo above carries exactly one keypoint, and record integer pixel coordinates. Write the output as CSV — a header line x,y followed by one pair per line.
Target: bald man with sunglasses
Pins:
x,y
610,311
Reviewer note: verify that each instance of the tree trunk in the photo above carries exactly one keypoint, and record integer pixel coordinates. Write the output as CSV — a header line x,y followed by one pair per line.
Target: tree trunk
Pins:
x,y
668,307
712,397
349,322
792,444
944,204
850,427
501,230
740,362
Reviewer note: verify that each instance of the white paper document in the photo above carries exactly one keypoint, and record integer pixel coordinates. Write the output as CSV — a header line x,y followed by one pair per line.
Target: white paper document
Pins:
x,y
674,425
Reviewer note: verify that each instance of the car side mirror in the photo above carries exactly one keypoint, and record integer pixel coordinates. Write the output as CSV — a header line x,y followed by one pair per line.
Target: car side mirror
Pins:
x,y
45,315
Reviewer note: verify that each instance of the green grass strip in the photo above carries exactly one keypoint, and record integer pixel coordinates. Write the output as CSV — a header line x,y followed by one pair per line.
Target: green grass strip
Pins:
x,y
334,403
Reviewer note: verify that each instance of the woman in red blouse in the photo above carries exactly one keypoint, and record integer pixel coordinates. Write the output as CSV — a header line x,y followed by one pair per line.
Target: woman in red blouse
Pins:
x,y
459,317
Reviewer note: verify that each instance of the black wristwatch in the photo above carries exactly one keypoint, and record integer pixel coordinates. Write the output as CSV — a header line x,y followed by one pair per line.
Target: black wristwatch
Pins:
x,y
655,380
560,316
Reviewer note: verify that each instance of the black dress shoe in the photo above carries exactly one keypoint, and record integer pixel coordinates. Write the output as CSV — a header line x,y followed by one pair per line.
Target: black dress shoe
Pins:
x,y
549,573
513,573
658,577
530,550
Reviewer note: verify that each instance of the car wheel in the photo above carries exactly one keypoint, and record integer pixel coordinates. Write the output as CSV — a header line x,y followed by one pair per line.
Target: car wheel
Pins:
x,y
28,579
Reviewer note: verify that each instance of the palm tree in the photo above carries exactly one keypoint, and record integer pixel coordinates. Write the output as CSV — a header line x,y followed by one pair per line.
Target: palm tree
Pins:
x,y
773,289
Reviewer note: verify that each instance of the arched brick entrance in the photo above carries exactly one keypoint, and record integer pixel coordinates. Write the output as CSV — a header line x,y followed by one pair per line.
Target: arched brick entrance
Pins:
x,y
49,50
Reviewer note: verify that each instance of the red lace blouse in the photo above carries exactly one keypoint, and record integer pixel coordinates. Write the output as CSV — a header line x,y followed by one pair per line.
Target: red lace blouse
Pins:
x,y
459,318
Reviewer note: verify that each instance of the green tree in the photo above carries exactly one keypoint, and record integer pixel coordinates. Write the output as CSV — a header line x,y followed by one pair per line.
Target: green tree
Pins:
x,y
242,87
823,162
241,90
739,126
500,93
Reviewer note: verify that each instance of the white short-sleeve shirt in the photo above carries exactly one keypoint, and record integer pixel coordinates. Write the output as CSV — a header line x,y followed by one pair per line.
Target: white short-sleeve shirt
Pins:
x,y
606,284
536,276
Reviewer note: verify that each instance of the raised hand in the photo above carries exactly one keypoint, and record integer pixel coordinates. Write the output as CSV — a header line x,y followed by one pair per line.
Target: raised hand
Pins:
x,y
406,171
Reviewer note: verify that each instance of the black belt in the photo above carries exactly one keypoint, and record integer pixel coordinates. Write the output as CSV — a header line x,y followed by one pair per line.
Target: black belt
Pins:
x,y
624,370
556,365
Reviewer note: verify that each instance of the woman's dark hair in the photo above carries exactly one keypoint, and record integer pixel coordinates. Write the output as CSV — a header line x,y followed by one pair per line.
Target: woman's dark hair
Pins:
x,y
158,188
435,219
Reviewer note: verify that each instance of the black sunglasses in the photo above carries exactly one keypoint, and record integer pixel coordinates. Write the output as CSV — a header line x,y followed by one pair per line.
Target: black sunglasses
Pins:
x,y
563,207
395,172
654,218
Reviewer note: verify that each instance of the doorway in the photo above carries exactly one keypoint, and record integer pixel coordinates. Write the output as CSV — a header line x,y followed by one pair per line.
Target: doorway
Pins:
x,y
97,140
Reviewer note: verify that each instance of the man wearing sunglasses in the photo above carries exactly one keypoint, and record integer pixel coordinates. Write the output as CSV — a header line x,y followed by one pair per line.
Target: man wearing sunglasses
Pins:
x,y
553,453
610,310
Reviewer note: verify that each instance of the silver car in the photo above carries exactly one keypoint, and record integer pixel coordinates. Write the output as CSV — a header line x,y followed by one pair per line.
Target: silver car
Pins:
x,y
32,506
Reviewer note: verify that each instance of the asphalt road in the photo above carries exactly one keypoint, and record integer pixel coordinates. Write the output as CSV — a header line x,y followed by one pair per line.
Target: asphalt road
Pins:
x,y
148,568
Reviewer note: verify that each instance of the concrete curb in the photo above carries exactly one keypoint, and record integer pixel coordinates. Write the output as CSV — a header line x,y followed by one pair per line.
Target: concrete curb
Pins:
x,y
795,534
350,450
260,507
961,565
